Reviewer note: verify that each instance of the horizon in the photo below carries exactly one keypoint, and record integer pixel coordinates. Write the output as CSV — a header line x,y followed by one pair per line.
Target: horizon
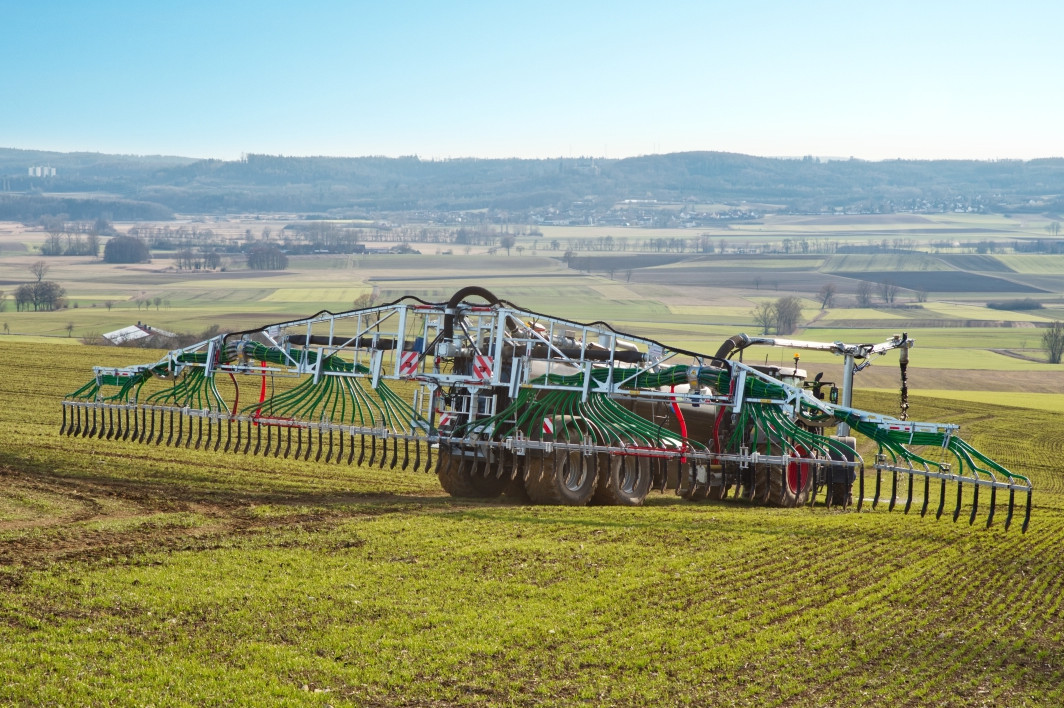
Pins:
x,y
421,158
907,81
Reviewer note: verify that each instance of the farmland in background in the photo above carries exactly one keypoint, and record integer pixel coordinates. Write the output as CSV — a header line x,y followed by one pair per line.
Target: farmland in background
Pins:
x,y
690,300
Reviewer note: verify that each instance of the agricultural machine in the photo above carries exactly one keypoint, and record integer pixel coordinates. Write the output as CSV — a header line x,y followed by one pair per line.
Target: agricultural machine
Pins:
x,y
500,400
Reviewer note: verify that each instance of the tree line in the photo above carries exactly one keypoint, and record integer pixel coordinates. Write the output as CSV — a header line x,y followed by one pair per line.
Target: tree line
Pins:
x,y
152,188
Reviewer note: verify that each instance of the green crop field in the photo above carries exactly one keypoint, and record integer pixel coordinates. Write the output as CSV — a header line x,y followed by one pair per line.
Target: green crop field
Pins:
x,y
1041,264
1049,402
143,574
854,262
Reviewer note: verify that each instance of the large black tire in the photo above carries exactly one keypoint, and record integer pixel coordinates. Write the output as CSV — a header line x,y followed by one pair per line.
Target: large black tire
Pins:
x,y
841,479
464,477
775,485
623,480
563,477
763,475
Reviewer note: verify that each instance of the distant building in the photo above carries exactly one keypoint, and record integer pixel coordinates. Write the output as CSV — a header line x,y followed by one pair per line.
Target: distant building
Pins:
x,y
41,171
137,332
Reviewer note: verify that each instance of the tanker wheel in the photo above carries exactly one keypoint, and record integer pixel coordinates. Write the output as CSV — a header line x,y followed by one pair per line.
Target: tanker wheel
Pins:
x,y
464,477
565,477
623,480
840,492
790,487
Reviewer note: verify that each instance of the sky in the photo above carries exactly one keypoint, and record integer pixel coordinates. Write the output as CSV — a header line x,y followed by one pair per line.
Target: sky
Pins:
x,y
447,79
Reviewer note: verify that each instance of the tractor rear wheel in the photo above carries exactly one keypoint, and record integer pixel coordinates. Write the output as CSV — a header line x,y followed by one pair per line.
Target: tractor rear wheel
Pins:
x,y
775,485
623,480
565,477
462,476
842,477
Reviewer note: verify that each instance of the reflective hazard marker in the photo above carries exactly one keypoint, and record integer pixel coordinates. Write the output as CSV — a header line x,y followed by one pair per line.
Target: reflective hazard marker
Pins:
x,y
482,367
408,364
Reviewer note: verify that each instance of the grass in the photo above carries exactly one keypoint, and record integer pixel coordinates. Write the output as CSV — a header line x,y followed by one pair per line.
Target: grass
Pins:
x,y
141,574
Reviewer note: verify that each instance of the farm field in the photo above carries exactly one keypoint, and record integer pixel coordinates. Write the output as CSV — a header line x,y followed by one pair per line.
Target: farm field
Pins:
x,y
140,574
694,304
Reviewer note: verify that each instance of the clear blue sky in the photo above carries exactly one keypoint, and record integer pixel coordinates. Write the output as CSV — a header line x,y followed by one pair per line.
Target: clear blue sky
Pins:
x,y
874,80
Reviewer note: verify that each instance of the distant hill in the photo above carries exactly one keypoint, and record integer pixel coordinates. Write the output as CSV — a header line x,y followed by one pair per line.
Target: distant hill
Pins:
x,y
564,189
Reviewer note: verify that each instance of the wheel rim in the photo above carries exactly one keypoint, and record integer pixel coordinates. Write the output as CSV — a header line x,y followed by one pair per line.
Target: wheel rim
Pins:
x,y
798,472
573,476
628,475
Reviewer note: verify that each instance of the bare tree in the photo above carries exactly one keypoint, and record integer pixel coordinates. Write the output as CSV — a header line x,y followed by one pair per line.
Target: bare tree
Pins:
x,y
827,295
108,304
1053,341
864,293
53,245
888,289
508,242
765,316
39,269
788,314
69,328
363,301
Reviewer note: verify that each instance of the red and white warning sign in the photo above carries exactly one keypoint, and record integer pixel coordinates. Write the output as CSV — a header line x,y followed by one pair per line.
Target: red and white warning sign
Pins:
x,y
548,426
408,364
482,367
445,418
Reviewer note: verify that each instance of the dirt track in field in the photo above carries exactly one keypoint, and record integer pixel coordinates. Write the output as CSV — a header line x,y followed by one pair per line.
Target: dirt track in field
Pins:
x,y
104,519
